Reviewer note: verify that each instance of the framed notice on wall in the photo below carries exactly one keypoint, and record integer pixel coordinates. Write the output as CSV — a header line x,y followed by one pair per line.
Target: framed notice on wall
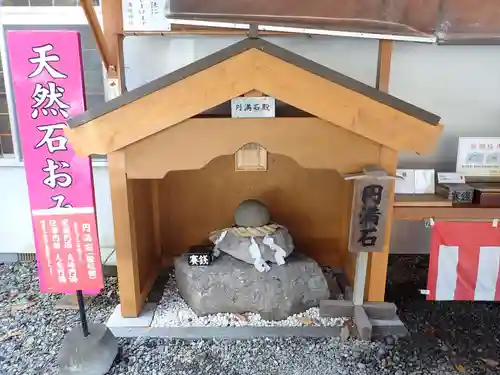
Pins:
x,y
145,15
478,156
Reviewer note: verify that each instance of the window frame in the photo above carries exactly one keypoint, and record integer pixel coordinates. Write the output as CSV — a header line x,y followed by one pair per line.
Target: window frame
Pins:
x,y
43,16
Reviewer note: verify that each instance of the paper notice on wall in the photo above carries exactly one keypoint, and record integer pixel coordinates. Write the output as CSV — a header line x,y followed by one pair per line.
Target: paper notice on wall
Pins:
x,y
145,15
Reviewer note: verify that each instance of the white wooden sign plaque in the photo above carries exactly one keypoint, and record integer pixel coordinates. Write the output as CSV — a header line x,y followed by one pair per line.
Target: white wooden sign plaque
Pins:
x,y
253,107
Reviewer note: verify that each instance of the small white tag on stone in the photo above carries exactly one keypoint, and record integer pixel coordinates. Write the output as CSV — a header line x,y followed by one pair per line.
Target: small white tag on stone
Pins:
x,y
221,237
279,254
216,251
259,263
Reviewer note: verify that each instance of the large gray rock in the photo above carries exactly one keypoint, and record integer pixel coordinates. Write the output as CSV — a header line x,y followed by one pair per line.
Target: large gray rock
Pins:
x,y
232,286
239,247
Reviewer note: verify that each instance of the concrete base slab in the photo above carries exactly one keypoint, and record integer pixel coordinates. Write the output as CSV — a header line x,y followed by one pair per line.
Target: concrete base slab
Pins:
x,y
391,327
363,324
69,302
109,271
91,355
380,310
8,258
372,319
348,292
336,308
236,333
116,320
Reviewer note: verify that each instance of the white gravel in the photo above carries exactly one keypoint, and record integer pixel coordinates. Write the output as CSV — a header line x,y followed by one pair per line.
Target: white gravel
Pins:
x,y
31,330
468,344
173,311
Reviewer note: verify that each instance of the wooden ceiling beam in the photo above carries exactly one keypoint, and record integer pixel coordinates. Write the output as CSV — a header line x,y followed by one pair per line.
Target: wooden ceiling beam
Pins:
x,y
97,32
112,16
376,272
173,100
163,108
109,40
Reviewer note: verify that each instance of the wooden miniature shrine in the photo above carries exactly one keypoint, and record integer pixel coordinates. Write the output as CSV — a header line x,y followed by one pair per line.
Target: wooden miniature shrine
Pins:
x,y
174,178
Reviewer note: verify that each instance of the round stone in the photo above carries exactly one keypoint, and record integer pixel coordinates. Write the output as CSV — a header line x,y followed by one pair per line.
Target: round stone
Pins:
x,y
251,213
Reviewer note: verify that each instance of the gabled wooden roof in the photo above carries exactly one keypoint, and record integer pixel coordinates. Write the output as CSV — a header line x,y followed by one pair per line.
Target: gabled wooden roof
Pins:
x,y
254,64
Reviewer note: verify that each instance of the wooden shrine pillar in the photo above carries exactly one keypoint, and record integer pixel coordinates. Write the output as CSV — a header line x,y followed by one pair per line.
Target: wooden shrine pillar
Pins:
x,y
377,264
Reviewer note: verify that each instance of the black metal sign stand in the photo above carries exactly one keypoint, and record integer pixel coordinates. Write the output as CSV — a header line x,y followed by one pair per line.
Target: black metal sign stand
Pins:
x,y
91,349
83,315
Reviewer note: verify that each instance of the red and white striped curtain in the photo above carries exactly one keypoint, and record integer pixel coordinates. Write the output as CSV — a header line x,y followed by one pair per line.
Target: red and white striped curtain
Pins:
x,y
464,262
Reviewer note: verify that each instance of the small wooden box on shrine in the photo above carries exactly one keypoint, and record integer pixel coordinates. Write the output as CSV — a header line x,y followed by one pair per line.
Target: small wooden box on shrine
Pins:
x,y
457,193
171,144
486,194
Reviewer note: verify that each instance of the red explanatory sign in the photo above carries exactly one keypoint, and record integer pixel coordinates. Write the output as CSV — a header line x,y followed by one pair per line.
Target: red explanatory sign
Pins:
x,y
47,76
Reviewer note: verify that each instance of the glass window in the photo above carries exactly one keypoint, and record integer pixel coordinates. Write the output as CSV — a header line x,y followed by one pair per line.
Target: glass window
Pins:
x,y
6,141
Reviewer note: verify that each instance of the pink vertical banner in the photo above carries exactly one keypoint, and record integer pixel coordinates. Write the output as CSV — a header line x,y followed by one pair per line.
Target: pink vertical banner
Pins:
x,y
47,76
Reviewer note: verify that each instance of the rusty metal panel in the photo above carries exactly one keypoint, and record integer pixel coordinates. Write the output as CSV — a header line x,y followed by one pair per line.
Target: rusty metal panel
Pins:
x,y
448,19
470,18
412,17
280,8
421,15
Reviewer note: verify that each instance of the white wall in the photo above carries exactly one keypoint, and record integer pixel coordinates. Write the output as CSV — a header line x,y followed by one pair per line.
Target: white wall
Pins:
x,y
461,84
16,234
149,57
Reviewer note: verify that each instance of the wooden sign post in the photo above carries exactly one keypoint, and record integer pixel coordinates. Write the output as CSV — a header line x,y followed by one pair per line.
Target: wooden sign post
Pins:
x,y
370,204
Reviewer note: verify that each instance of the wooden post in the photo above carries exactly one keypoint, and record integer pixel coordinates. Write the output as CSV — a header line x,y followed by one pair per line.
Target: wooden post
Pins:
x,y
109,47
125,236
109,41
155,195
113,36
377,264
368,235
384,65
95,27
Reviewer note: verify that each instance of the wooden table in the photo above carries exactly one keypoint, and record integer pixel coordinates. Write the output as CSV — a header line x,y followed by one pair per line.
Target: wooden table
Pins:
x,y
425,206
